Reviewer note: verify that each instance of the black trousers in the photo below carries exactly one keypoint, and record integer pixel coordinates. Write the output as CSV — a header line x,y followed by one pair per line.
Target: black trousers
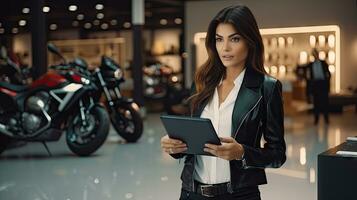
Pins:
x,y
251,193
320,91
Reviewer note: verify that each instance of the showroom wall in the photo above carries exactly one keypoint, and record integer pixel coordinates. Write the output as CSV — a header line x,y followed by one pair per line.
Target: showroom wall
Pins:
x,y
285,13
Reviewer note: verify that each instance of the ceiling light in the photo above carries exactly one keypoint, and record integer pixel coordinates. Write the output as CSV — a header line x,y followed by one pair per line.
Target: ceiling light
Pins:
x,y
96,22
46,9
80,16
99,6
72,8
113,22
100,15
53,27
127,25
178,21
2,30
104,26
87,25
15,30
75,23
22,22
163,21
25,10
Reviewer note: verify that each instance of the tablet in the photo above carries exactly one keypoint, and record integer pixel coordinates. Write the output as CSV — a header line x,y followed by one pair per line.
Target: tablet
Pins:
x,y
193,131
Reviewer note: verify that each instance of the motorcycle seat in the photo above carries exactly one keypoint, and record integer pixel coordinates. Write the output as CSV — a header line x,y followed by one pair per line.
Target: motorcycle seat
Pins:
x,y
16,88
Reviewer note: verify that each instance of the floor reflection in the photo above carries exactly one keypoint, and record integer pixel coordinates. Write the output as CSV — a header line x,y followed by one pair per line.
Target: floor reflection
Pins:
x,y
142,171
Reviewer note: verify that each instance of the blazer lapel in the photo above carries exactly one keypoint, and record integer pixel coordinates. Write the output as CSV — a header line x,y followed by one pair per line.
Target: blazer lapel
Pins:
x,y
247,97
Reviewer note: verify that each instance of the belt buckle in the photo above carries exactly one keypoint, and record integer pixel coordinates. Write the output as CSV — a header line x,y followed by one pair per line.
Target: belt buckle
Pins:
x,y
207,188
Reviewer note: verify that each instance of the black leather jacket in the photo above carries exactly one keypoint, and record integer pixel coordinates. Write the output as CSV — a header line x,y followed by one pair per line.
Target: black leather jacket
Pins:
x,y
258,111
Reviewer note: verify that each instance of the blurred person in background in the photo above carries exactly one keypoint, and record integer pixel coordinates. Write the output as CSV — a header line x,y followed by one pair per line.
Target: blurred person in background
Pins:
x,y
319,76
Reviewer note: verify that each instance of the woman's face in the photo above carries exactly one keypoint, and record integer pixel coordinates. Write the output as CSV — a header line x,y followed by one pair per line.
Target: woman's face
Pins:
x,y
231,47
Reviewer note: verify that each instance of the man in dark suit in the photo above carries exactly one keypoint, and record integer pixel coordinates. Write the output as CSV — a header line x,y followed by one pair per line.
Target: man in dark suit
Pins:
x,y
318,76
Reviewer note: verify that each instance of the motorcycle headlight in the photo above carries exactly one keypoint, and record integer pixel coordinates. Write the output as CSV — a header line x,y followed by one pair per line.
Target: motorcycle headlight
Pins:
x,y
174,79
118,74
85,81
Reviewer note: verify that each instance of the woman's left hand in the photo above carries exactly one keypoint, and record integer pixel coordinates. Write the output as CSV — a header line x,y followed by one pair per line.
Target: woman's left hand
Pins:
x,y
230,149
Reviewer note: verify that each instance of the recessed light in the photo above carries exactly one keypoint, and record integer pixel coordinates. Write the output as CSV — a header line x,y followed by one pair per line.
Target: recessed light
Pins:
x,y
46,9
163,21
72,8
80,16
104,26
96,22
99,6
113,22
87,25
75,23
127,25
53,27
22,22
15,30
26,10
100,15
2,30
178,21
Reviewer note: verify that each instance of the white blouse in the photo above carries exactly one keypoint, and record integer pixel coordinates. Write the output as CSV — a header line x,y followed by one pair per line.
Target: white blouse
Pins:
x,y
209,169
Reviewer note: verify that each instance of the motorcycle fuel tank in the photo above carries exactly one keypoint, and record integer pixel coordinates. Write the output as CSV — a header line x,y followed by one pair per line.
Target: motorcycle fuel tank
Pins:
x,y
50,79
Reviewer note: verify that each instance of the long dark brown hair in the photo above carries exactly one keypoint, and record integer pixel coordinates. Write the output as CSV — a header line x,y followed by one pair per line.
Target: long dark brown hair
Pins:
x,y
212,71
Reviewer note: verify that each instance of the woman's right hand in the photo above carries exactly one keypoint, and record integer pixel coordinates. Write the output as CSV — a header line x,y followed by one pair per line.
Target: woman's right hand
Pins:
x,y
172,146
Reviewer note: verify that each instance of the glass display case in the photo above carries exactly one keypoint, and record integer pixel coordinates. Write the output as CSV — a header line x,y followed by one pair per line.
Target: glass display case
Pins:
x,y
91,50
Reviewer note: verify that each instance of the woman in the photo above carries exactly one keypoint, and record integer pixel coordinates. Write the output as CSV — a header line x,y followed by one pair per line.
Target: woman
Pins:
x,y
243,103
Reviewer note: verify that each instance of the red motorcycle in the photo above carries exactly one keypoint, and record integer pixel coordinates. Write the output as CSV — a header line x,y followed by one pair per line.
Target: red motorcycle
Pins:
x,y
56,102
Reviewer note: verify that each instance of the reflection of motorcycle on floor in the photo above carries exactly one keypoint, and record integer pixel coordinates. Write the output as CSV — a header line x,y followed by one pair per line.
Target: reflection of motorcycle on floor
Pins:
x,y
123,112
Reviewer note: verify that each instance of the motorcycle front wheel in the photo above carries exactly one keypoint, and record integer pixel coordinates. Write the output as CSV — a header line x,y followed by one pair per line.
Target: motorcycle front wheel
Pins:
x,y
127,122
84,140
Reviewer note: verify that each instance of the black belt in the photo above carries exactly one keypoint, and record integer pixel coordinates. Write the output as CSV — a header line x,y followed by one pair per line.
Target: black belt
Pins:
x,y
212,190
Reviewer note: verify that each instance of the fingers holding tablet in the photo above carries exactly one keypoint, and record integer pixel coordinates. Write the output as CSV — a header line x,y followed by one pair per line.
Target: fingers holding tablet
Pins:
x,y
172,146
230,149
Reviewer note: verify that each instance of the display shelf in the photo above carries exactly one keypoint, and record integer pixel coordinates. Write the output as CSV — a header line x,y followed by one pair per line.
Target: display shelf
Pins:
x,y
91,50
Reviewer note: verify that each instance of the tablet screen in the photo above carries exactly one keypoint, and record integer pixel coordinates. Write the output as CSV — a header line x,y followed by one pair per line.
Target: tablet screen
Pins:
x,y
193,131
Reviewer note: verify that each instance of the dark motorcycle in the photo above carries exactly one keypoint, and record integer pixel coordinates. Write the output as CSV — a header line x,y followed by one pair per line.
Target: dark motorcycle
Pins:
x,y
176,100
155,80
161,83
123,112
56,102
10,71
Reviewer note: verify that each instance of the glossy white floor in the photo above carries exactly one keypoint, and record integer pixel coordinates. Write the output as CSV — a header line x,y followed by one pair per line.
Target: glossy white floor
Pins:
x,y
142,171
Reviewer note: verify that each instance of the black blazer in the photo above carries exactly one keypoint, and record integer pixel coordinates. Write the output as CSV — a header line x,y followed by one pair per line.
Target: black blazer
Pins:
x,y
310,74
258,111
